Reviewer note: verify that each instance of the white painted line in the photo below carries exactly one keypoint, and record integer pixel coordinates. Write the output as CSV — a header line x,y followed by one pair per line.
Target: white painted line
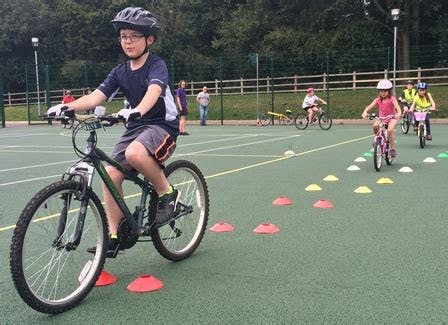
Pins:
x,y
30,180
236,146
36,166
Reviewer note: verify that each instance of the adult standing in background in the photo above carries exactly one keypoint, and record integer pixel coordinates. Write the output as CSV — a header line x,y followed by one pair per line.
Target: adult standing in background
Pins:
x,y
68,98
181,100
203,99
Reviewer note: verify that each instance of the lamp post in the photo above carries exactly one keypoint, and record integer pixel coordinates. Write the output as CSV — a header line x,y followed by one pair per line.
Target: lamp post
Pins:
x,y
395,13
35,42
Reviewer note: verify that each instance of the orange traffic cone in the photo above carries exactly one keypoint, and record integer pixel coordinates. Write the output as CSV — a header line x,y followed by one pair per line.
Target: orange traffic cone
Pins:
x,y
105,279
145,283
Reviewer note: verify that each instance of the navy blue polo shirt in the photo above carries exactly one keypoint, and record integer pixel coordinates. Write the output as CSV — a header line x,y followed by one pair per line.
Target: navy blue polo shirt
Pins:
x,y
135,83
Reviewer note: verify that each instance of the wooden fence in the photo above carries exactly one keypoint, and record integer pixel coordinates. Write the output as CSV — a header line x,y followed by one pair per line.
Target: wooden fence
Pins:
x,y
339,81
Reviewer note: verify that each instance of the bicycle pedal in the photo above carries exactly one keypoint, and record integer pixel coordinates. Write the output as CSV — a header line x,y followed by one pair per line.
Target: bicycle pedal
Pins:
x,y
114,253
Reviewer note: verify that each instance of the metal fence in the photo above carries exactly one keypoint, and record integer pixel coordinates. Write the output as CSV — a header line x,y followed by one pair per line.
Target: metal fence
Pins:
x,y
243,86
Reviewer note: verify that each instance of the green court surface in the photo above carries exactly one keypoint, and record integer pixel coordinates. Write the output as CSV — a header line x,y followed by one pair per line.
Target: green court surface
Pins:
x,y
378,257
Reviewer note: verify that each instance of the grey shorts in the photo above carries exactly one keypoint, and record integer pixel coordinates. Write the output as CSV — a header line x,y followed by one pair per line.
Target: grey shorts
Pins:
x,y
156,140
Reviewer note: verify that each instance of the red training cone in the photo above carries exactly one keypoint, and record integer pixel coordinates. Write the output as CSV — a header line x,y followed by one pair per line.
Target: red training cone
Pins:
x,y
282,200
222,227
145,283
266,228
323,204
105,279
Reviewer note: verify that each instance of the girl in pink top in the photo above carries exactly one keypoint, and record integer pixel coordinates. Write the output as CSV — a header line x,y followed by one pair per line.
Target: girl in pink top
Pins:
x,y
389,112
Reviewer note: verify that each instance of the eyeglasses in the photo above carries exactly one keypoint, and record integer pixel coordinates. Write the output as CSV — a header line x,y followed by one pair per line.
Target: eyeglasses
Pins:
x,y
132,38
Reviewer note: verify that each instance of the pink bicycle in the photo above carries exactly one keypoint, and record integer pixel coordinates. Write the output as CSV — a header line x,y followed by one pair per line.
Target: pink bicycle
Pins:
x,y
381,143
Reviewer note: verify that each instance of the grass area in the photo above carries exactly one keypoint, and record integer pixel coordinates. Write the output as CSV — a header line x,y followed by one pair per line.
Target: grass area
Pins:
x,y
346,104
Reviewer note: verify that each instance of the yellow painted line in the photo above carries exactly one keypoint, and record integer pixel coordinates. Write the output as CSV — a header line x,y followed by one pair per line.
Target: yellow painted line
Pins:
x,y
238,169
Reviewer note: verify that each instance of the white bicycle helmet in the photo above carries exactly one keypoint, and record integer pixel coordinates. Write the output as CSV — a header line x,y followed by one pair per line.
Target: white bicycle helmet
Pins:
x,y
384,85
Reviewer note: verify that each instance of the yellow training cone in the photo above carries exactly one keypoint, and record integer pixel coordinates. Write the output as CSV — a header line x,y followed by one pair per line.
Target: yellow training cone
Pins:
x,y
313,187
363,190
331,178
384,180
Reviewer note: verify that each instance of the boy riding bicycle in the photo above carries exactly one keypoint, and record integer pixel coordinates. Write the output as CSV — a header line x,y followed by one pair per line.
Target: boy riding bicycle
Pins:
x,y
153,124
310,104
407,97
387,107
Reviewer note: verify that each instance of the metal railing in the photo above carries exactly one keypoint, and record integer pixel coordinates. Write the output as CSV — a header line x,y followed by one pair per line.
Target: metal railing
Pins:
x,y
296,83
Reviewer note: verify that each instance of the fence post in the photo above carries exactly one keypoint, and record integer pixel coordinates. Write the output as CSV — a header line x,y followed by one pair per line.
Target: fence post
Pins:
x,y
9,99
324,81
192,87
2,107
386,72
216,86
295,83
419,74
241,86
86,78
354,80
221,90
267,84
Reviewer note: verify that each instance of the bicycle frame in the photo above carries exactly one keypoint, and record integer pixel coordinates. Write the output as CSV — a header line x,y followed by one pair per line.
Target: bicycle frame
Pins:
x,y
280,116
383,137
85,170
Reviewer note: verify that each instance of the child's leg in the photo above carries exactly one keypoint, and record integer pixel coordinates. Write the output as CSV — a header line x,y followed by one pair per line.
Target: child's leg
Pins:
x,y
428,125
391,132
376,127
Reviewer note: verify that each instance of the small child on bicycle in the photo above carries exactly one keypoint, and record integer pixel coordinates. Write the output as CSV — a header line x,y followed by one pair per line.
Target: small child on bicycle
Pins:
x,y
310,104
407,97
389,112
423,102
150,138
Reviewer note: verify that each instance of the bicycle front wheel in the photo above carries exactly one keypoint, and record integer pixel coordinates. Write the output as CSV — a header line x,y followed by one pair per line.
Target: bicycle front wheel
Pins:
x,y
325,121
421,135
377,155
180,238
51,270
301,121
265,120
405,123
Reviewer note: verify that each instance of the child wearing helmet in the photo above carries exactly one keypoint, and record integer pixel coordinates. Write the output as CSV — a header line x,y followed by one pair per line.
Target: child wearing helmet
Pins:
x,y
423,102
310,103
148,141
389,111
407,97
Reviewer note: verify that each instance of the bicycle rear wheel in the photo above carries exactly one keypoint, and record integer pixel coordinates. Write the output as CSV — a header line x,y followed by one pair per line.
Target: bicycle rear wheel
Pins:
x,y
289,118
301,121
325,121
52,273
180,238
377,156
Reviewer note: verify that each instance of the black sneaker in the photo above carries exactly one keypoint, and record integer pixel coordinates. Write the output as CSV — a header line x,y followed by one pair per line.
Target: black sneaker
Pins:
x,y
113,248
166,207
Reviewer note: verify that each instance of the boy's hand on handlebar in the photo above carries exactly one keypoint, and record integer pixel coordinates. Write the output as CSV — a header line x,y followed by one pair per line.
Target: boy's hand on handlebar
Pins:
x,y
67,112
129,114
364,115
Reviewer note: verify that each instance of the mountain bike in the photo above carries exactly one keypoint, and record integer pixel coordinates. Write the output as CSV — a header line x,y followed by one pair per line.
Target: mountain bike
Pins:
x,y
285,118
51,268
381,143
321,116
